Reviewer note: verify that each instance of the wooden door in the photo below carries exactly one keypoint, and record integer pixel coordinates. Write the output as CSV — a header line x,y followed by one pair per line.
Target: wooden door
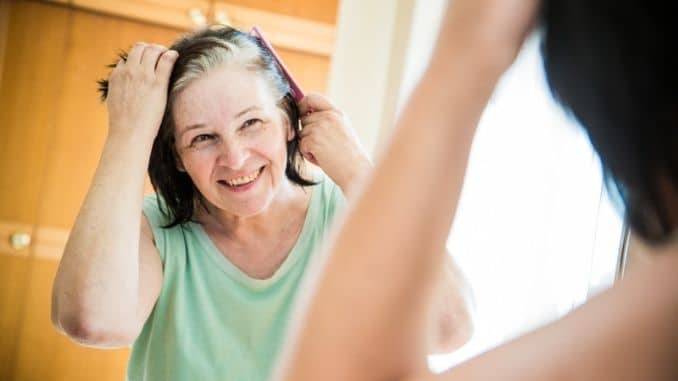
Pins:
x,y
30,86
53,128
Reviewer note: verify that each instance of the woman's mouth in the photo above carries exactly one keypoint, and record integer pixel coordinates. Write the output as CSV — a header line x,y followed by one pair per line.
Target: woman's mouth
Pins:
x,y
242,183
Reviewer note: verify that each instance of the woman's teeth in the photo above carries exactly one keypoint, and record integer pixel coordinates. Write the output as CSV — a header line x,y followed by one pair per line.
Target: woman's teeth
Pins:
x,y
243,180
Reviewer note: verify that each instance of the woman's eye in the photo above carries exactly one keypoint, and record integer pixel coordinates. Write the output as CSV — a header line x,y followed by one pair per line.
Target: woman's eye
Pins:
x,y
201,138
250,123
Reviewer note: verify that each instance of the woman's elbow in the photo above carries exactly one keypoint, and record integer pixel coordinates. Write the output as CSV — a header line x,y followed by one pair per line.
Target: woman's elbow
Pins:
x,y
93,332
451,341
454,330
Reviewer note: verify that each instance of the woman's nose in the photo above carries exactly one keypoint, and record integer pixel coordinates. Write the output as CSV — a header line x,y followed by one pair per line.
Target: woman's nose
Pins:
x,y
233,154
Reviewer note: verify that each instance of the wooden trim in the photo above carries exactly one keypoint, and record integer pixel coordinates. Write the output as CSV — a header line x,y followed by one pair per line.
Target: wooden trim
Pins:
x,y
46,242
293,33
284,31
180,14
187,15
49,243
4,33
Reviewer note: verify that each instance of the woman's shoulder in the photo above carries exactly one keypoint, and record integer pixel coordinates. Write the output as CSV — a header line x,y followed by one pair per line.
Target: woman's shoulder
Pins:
x,y
155,210
166,238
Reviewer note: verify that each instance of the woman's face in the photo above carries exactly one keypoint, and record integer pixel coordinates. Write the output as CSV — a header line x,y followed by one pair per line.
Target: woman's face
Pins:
x,y
231,139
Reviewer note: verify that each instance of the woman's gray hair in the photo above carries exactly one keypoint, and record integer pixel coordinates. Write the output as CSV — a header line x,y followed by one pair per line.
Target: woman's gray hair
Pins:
x,y
240,50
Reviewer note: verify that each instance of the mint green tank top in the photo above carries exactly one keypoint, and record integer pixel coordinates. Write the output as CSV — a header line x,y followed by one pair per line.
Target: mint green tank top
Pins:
x,y
211,320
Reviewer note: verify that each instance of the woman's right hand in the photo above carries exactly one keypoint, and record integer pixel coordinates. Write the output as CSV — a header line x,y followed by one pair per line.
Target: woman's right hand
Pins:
x,y
137,93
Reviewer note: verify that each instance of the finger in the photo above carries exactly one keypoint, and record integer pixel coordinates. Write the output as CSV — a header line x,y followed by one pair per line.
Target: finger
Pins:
x,y
165,64
309,156
329,116
306,153
308,129
314,102
116,69
311,118
149,59
305,132
310,136
312,130
134,56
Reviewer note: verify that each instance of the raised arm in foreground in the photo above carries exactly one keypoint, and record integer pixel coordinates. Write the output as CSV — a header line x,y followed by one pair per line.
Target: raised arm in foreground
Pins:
x,y
361,324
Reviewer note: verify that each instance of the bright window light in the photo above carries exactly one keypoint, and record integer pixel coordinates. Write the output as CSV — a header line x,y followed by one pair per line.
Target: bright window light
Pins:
x,y
534,231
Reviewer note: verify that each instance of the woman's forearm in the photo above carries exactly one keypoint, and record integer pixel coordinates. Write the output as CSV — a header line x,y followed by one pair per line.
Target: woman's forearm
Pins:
x,y
96,286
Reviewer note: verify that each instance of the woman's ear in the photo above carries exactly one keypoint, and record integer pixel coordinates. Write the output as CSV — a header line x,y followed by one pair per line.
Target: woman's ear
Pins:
x,y
288,125
290,132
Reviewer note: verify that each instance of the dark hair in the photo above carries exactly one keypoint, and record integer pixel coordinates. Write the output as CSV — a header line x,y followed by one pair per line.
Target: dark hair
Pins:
x,y
613,65
198,53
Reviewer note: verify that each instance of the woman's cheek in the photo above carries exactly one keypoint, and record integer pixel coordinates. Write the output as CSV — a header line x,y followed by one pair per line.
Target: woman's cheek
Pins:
x,y
197,164
271,145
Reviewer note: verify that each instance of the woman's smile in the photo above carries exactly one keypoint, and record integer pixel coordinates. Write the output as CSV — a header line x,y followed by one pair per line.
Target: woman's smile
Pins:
x,y
242,183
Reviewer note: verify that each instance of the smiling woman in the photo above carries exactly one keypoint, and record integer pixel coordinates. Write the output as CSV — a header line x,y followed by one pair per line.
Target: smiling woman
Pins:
x,y
201,276
219,72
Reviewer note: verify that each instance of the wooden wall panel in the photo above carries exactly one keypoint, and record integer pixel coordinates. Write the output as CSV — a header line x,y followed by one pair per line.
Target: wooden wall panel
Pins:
x,y
4,22
29,98
30,87
82,120
311,71
14,273
44,354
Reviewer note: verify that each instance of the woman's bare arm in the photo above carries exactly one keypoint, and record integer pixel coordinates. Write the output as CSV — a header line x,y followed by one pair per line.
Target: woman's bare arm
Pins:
x,y
110,274
367,314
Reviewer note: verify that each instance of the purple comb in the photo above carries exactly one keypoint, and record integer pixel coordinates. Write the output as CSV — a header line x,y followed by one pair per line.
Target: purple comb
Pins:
x,y
297,94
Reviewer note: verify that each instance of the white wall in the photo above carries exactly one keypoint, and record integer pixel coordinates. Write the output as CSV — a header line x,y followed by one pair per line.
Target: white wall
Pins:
x,y
368,62
382,48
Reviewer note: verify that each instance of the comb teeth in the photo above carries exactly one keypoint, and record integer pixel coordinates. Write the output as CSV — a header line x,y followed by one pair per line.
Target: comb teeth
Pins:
x,y
297,93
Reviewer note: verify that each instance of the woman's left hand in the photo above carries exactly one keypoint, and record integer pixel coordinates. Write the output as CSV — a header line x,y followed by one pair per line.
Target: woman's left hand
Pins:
x,y
328,141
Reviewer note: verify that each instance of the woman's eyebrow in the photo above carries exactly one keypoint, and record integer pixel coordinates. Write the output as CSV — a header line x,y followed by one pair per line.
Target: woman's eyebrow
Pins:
x,y
245,111
238,115
192,127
